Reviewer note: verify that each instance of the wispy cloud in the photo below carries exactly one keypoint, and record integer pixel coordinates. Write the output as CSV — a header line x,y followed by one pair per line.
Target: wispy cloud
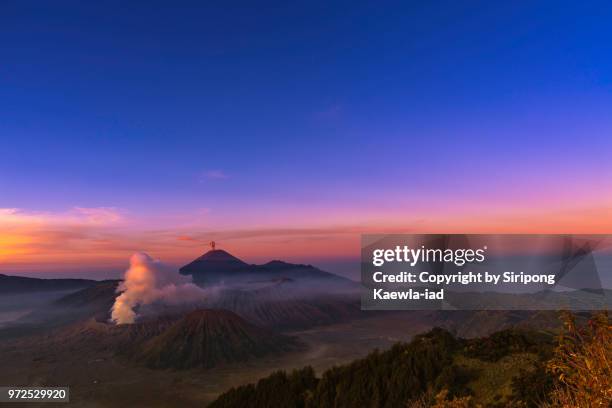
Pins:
x,y
214,175
107,236
26,235
100,215
76,216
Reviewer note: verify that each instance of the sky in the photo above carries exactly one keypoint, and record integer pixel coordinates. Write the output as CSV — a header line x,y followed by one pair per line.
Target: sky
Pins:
x,y
287,130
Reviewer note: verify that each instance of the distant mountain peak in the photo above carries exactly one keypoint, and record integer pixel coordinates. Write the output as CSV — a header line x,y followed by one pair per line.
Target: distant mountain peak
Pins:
x,y
217,261
220,267
219,255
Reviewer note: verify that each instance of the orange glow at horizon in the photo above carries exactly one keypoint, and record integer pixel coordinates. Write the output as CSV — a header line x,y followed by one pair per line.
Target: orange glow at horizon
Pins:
x,y
12,246
102,238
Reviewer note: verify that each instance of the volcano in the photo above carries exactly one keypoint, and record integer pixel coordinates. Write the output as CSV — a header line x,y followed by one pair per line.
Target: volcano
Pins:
x,y
208,338
220,267
213,265
276,294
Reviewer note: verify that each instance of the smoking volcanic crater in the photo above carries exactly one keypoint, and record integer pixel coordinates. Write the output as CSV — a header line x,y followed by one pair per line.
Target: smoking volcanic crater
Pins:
x,y
236,312
276,295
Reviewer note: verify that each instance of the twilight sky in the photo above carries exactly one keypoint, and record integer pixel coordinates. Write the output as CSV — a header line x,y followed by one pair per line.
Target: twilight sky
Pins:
x,y
285,130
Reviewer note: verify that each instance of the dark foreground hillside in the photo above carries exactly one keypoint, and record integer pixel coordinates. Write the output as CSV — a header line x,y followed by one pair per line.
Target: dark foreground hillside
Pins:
x,y
510,368
491,369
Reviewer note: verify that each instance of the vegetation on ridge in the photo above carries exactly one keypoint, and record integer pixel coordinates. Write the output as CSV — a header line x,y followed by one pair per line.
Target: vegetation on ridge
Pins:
x,y
510,368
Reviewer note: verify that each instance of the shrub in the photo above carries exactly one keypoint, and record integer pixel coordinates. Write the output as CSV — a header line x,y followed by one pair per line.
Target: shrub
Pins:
x,y
582,363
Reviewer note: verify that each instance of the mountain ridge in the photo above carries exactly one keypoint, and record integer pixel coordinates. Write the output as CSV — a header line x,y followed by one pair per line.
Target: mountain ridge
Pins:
x,y
220,267
10,284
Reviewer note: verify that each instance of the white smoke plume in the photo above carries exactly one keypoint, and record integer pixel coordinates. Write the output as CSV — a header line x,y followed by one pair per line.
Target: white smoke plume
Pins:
x,y
148,281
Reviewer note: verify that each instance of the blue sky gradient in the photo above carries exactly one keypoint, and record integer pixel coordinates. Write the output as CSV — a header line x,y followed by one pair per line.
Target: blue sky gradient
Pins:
x,y
305,111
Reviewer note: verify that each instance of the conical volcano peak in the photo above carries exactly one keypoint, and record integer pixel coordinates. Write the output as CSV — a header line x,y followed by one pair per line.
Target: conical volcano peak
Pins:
x,y
215,261
219,255
207,338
